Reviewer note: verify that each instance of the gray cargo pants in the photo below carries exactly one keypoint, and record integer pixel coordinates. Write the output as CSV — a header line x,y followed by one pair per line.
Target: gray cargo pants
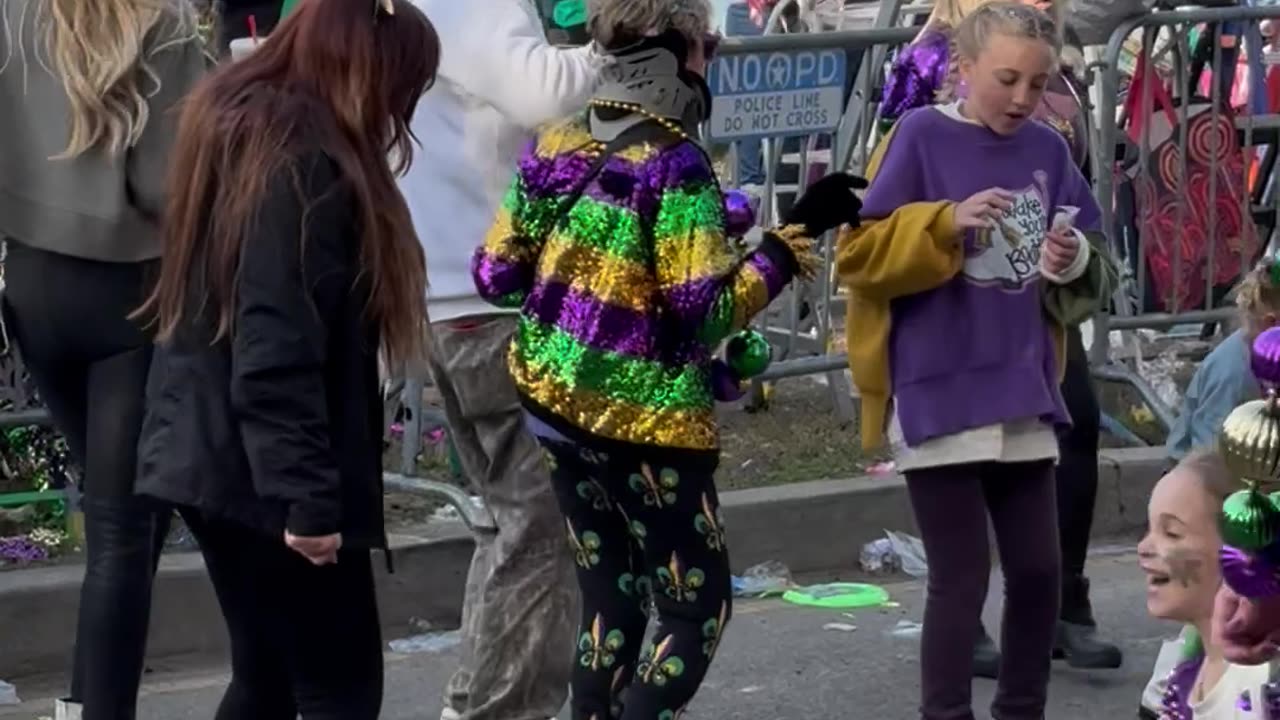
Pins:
x,y
521,610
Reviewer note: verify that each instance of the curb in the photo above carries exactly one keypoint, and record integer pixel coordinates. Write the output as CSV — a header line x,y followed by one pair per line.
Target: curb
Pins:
x,y
810,527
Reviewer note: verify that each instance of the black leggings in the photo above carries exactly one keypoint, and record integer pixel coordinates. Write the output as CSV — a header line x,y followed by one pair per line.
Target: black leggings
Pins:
x,y
641,529
951,505
1077,472
305,640
89,362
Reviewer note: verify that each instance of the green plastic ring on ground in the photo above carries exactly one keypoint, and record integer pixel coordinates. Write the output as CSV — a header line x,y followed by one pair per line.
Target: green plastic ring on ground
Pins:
x,y
569,13
838,596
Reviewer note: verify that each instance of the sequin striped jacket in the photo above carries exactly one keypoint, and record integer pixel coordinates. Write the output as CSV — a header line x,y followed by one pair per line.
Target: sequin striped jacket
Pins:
x,y
626,296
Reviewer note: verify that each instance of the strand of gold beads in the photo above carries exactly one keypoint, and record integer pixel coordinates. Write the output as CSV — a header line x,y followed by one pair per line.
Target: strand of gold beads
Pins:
x,y
667,123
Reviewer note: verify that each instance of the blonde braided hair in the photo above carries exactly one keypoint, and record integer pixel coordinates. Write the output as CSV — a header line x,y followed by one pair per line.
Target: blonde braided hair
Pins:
x,y
969,23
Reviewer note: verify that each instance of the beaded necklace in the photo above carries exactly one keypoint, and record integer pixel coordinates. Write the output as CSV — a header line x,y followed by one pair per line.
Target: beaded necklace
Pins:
x,y
667,123
1176,703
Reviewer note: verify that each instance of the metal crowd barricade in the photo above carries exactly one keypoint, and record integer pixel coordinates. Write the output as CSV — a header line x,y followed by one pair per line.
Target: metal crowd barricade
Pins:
x,y
410,392
22,409
867,49
1164,42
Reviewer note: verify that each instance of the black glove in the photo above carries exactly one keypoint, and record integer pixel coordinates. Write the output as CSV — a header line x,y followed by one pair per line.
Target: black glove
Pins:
x,y
828,203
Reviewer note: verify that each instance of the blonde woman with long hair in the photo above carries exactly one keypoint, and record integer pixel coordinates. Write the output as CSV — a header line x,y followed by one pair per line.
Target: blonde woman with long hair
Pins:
x,y
88,89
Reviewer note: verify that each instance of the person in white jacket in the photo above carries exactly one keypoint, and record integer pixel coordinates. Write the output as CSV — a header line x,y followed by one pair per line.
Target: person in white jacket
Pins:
x,y
499,79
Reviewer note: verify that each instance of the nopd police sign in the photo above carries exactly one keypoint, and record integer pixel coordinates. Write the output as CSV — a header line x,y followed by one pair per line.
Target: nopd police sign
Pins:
x,y
776,94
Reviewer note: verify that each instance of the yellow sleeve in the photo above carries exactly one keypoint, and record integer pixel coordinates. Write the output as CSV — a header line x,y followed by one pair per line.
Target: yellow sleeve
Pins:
x,y
916,247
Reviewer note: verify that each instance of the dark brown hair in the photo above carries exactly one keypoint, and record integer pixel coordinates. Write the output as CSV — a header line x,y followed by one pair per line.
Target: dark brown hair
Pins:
x,y
340,76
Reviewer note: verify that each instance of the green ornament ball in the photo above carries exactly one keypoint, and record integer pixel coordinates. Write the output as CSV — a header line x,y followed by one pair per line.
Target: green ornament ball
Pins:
x,y
1250,520
748,353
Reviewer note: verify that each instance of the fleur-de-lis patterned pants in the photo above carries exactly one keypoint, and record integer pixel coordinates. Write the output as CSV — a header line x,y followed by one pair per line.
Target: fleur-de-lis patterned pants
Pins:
x,y
648,537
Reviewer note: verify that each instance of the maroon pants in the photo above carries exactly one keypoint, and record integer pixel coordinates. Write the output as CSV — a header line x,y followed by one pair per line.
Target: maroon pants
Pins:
x,y
951,505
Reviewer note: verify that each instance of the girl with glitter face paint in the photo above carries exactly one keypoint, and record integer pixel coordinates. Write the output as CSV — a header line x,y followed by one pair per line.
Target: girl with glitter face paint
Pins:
x,y
1179,556
613,244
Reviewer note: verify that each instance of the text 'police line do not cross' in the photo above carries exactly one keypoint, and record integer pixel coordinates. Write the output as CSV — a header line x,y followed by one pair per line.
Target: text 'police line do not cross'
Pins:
x,y
776,94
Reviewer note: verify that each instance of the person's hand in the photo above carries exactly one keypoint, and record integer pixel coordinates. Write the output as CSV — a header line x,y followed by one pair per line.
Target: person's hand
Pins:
x,y
983,210
828,203
320,550
1060,248
1247,630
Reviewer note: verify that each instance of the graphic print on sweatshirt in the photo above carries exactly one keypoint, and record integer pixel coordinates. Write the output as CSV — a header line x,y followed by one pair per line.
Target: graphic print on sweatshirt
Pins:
x,y
1007,256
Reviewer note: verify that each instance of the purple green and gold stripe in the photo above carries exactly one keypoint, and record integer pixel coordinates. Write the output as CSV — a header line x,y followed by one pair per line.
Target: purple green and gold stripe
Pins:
x,y
594,324
590,222
713,308
611,328
630,380
582,266
693,428
500,281
625,301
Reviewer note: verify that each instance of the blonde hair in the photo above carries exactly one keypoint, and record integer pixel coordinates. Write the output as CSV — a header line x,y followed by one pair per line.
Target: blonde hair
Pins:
x,y
998,17
611,22
1211,470
948,14
1258,294
99,51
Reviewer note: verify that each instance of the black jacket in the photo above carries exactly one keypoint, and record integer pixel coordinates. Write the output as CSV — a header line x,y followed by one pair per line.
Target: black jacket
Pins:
x,y
279,426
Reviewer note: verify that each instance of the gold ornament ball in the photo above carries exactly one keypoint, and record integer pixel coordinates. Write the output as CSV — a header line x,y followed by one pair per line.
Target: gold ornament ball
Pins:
x,y
1250,442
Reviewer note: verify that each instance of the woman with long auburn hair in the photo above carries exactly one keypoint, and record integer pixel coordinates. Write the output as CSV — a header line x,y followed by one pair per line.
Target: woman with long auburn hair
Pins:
x,y
290,263
88,91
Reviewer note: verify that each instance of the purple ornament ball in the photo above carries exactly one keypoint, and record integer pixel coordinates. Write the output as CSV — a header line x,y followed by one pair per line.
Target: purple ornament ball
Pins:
x,y
1265,359
739,213
725,385
1250,576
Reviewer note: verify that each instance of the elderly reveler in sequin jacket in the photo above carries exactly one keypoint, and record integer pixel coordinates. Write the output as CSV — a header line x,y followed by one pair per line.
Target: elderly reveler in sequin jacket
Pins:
x,y
923,74
612,243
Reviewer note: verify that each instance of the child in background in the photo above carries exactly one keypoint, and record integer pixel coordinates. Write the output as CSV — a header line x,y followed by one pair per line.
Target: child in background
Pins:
x,y
971,260
1179,555
1224,379
1222,382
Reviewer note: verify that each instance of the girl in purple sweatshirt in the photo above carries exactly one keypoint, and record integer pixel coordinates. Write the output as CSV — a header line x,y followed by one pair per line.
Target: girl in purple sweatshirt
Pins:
x,y
969,263
925,73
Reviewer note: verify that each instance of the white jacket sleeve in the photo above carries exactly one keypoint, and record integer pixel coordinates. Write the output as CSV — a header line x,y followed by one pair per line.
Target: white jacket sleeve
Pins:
x,y
503,58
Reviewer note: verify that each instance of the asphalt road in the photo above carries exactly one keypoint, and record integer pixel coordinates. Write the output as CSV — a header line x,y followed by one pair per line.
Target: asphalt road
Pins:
x,y
777,662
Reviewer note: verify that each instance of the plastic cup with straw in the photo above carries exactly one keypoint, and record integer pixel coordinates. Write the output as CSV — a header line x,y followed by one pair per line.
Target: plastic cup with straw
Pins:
x,y
242,47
